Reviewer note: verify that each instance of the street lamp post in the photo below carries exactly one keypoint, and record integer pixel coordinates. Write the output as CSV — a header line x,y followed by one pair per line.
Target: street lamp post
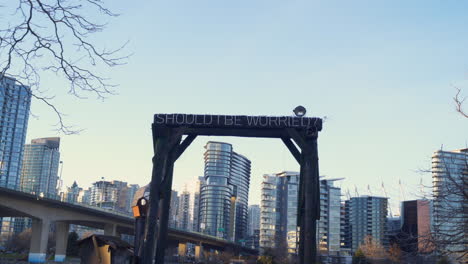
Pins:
x,y
60,183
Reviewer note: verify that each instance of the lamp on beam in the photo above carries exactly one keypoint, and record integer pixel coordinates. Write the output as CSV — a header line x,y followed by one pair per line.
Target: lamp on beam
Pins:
x,y
300,111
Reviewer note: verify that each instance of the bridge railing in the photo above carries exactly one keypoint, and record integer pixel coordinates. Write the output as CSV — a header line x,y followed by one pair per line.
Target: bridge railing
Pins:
x,y
107,210
203,234
57,198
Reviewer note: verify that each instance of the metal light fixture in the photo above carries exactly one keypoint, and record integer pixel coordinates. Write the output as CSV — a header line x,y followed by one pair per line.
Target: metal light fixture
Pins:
x,y
141,208
300,111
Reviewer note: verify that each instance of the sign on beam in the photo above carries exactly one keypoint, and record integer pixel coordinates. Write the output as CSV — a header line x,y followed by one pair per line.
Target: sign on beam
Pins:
x,y
237,121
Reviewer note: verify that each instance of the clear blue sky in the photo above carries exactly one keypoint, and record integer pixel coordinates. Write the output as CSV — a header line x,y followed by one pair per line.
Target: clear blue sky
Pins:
x,y
381,71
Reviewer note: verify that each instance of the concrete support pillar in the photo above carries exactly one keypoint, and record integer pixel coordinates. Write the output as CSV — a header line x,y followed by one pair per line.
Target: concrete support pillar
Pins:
x,y
61,238
182,249
39,236
110,230
199,252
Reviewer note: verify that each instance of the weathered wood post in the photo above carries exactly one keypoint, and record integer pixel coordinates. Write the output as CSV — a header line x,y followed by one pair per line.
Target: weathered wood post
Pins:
x,y
161,151
166,187
311,200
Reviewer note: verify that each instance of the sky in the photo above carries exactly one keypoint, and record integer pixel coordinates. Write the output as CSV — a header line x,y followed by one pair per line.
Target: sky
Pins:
x,y
382,73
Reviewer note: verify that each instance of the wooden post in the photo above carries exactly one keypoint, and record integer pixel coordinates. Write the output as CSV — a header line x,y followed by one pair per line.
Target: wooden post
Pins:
x,y
161,152
310,196
165,204
300,212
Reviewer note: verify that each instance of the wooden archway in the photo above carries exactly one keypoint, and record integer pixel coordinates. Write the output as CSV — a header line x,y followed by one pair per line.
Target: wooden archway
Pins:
x,y
168,131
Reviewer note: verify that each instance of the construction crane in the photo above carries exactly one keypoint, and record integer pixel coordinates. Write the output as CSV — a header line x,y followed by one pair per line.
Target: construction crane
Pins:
x,y
386,195
348,195
402,191
421,185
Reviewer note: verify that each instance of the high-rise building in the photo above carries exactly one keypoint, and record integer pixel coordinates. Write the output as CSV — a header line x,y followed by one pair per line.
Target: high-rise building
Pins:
x,y
39,174
450,214
278,224
269,212
72,193
253,219
132,189
104,194
415,235
196,205
15,102
393,229
345,248
366,216
125,193
86,197
113,195
278,211
329,224
173,209
224,194
253,227
183,215
253,241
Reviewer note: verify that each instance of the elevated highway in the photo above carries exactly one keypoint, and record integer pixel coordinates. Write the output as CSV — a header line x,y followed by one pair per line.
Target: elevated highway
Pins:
x,y
45,212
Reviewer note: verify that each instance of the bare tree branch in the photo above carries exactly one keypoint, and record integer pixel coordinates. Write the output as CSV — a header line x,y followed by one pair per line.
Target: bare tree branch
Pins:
x,y
459,103
54,36
450,195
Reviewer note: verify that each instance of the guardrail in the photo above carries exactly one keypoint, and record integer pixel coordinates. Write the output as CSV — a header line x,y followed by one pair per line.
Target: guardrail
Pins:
x,y
94,207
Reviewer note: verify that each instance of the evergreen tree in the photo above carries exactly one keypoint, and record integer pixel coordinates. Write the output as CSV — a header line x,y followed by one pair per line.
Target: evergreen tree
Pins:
x,y
72,245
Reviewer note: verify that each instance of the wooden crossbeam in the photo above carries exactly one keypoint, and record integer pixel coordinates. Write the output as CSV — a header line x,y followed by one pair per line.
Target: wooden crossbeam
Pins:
x,y
183,146
300,141
292,148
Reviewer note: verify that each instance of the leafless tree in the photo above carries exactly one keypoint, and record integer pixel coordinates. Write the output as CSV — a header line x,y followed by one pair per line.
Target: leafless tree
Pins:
x,y
395,253
55,36
19,242
219,258
450,195
373,249
459,100
279,254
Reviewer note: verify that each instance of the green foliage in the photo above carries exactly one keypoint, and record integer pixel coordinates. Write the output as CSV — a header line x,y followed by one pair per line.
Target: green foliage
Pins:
x,y
265,260
272,256
443,260
72,246
359,257
277,255
13,256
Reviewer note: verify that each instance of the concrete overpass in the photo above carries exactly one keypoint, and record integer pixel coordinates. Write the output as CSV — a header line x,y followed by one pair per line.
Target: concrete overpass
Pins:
x,y
44,212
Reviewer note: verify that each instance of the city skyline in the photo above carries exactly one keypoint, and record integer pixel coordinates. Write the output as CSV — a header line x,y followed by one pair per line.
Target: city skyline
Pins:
x,y
389,91
346,122
403,192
